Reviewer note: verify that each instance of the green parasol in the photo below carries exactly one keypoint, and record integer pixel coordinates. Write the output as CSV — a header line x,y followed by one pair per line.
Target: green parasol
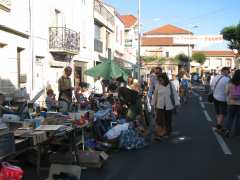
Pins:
x,y
108,69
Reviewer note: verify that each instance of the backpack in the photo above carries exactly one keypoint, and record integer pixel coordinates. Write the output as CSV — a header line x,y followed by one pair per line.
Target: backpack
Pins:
x,y
184,83
234,92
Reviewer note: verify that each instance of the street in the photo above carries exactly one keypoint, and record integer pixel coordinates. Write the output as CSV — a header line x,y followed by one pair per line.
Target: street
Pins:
x,y
193,152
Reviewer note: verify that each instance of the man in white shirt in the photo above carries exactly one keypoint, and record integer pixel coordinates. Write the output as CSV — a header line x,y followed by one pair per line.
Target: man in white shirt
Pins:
x,y
98,88
175,82
218,86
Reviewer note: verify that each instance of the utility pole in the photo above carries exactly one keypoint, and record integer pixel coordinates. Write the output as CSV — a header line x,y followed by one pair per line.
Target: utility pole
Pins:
x,y
139,41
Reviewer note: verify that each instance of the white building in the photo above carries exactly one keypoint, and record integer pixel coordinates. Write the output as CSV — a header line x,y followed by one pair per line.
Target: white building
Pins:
x,y
131,38
119,42
216,60
160,42
62,34
104,27
14,44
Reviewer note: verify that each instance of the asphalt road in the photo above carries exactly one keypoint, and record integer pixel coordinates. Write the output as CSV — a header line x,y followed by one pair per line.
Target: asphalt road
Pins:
x,y
201,155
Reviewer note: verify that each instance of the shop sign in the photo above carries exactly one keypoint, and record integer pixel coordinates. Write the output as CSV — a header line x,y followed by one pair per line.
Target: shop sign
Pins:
x,y
5,5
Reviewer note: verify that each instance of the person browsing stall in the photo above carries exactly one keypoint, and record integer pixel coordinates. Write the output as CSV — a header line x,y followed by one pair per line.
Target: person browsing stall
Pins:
x,y
65,90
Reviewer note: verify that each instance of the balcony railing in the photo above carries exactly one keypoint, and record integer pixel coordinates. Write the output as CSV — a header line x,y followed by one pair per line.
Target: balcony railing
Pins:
x,y
98,6
64,40
98,45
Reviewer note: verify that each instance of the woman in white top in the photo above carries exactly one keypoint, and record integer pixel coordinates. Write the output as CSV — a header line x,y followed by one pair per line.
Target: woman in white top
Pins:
x,y
164,100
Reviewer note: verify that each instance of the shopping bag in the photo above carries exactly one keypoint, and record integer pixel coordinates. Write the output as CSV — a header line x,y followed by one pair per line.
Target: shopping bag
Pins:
x,y
10,172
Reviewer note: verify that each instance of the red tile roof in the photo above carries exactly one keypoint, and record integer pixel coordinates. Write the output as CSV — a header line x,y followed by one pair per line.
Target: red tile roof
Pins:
x,y
128,20
167,30
217,53
147,41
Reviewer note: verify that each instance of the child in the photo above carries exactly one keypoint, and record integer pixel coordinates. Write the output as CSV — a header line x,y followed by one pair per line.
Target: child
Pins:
x,y
51,102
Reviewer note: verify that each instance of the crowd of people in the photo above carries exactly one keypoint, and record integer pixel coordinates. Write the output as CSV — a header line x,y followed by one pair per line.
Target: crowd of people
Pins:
x,y
160,96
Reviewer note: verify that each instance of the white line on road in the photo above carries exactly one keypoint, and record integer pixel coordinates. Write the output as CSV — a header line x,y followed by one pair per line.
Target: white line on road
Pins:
x,y
207,103
200,98
202,105
207,116
222,143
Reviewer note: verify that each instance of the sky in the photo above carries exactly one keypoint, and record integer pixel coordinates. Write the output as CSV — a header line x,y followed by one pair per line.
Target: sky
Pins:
x,y
210,16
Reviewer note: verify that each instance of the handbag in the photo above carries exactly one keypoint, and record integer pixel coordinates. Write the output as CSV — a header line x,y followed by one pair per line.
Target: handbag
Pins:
x,y
173,100
210,96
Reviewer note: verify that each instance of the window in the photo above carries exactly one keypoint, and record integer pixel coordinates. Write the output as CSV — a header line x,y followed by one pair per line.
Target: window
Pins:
x,y
121,37
84,2
167,54
59,20
107,40
116,33
97,32
228,62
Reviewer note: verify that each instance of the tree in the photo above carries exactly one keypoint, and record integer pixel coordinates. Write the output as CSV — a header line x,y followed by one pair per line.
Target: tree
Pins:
x,y
232,34
182,59
199,57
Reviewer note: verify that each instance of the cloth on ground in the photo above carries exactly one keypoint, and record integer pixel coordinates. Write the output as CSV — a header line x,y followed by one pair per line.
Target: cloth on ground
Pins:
x,y
116,131
131,139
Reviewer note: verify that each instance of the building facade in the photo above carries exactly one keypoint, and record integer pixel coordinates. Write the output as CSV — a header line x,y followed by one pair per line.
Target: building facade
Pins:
x,y
50,35
104,27
14,45
131,39
160,43
216,60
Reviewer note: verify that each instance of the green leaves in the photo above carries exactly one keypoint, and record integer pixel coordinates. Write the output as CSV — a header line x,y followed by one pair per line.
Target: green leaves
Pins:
x,y
199,57
232,34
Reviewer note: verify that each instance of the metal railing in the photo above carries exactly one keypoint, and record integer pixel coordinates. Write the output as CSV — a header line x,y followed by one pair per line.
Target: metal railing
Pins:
x,y
98,6
98,45
64,39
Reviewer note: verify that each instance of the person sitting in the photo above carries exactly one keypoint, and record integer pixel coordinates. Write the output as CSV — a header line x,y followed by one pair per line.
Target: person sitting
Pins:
x,y
51,102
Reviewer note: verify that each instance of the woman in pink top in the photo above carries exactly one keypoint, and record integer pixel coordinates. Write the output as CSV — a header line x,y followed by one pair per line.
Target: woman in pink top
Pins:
x,y
233,100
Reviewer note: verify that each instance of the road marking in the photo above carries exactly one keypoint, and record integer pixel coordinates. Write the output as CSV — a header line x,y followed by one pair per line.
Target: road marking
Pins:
x,y
200,98
222,143
202,105
207,116
207,103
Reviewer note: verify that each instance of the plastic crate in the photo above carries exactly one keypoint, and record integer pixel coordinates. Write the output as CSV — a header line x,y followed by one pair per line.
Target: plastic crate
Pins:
x,y
7,144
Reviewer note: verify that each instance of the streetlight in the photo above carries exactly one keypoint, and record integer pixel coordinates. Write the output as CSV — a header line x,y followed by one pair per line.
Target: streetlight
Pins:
x,y
139,41
189,34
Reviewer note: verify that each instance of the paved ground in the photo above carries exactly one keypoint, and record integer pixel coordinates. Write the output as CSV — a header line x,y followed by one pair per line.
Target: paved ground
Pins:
x,y
200,158
203,156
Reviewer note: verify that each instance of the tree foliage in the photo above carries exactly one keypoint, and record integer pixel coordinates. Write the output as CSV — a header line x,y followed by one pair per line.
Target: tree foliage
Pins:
x,y
199,57
232,35
182,58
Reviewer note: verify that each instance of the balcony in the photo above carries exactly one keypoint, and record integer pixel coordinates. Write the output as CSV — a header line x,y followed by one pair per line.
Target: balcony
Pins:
x,y
103,15
64,41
